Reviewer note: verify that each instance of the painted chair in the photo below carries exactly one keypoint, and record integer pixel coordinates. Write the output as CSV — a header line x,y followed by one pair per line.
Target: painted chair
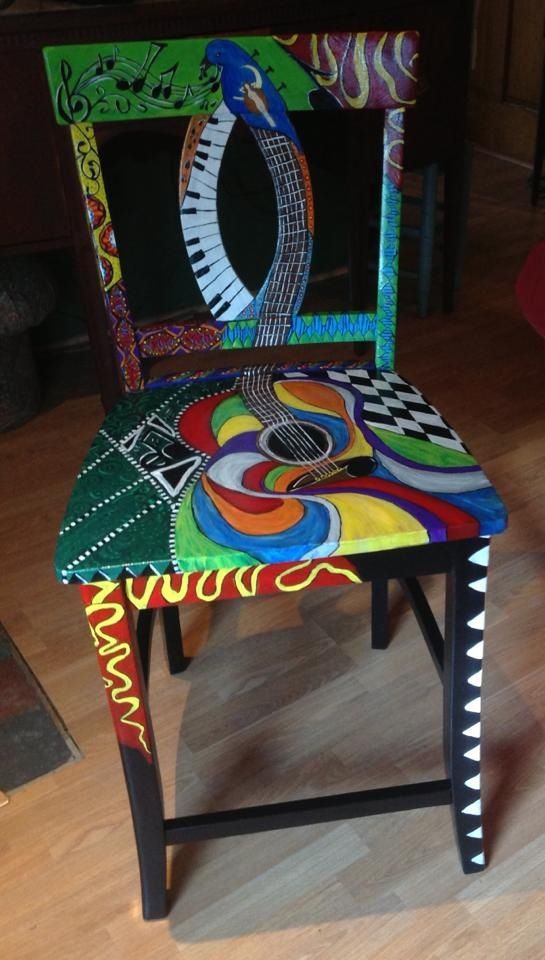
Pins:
x,y
267,478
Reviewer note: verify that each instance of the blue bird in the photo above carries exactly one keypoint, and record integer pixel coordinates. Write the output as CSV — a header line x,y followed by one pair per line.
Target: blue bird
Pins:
x,y
247,90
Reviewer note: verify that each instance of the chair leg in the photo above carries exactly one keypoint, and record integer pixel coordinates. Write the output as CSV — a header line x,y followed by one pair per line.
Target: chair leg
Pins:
x,y
427,237
110,621
380,637
144,628
177,660
466,586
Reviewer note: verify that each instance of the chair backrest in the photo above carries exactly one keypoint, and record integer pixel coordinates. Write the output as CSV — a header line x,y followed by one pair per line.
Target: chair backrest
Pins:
x,y
260,80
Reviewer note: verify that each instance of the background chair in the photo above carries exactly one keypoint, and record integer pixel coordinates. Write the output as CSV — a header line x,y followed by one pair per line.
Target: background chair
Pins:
x,y
277,475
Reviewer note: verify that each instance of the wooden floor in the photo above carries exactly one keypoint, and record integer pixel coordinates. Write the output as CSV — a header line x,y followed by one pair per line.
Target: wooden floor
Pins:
x,y
286,699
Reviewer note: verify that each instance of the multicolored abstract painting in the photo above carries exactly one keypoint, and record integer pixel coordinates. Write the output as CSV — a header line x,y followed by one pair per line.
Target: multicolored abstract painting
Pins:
x,y
264,466
338,462
221,82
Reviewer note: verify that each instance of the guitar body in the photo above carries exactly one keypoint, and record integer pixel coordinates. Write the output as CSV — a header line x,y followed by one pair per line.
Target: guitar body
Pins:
x,y
293,470
246,507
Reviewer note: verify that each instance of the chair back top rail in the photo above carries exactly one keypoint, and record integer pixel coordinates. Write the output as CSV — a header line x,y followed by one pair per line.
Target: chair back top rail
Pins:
x,y
258,80
143,80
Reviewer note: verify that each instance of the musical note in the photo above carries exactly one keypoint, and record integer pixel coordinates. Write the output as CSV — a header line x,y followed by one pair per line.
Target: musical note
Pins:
x,y
107,63
137,84
70,103
164,86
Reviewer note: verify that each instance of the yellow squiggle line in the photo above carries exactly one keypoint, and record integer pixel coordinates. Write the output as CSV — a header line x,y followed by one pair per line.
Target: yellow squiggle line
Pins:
x,y
331,568
325,81
391,146
289,42
383,73
141,602
241,586
170,594
362,74
110,647
397,126
220,576
398,45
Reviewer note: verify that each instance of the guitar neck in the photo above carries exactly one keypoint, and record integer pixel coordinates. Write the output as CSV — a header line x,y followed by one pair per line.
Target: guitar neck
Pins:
x,y
256,386
290,265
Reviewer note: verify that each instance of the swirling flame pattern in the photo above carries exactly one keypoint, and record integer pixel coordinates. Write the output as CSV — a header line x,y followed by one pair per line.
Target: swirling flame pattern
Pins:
x,y
110,629
372,69
144,592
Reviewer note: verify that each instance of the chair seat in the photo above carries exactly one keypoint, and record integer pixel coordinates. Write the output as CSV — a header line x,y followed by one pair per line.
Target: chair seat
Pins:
x,y
342,460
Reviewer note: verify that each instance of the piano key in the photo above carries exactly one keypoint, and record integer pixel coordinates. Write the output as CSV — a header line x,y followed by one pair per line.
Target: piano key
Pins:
x,y
210,243
203,176
215,270
205,190
196,231
198,219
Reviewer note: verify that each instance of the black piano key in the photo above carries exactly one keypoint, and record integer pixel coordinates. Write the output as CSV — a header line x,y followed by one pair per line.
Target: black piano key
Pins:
x,y
200,255
198,166
225,306
192,242
189,210
213,120
215,300
205,143
202,272
193,194
201,154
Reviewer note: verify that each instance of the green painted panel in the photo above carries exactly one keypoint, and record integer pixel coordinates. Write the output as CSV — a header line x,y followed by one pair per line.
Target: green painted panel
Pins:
x,y
144,80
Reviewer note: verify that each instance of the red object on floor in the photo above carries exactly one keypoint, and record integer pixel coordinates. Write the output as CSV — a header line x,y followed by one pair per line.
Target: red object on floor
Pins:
x,y
530,288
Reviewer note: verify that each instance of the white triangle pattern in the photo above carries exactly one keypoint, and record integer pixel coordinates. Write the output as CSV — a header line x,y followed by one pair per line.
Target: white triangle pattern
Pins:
x,y
477,651
476,679
477,623
474,731
474,809
474,706
481,557
475,834
478,859
479,585
474,783
474,753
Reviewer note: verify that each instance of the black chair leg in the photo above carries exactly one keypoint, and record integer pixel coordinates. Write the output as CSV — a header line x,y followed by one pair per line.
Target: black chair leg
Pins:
x,y
144,627
177,660
380,636
466,586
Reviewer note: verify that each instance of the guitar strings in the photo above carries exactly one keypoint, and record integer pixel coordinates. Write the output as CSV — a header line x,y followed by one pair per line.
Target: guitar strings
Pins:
x,y
280,297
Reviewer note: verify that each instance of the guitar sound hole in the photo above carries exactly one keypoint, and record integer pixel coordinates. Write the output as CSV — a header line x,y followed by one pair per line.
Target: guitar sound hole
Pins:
x,y
296,442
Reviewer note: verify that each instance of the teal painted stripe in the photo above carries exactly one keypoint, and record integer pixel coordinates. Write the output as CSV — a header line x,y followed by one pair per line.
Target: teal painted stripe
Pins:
x,y
388,271
308,328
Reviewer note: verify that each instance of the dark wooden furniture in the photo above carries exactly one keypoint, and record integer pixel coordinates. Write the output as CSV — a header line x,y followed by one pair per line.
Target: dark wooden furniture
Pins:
x,y
260,478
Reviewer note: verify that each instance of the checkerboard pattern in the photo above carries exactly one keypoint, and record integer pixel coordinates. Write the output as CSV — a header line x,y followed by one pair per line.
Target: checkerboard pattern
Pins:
x,y
394,404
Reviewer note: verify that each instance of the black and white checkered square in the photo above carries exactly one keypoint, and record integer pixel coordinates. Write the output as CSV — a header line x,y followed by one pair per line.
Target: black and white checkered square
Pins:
x,y
395,405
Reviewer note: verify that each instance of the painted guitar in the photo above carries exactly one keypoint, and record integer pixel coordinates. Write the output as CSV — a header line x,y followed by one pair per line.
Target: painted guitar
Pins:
x,y
293,469
249,93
